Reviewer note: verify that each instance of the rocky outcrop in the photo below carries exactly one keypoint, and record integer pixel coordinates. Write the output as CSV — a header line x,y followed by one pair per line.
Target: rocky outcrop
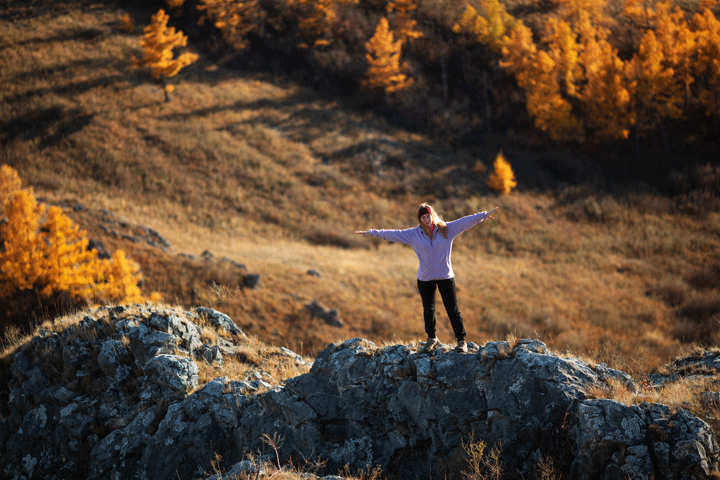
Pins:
x,y
408,410
118,395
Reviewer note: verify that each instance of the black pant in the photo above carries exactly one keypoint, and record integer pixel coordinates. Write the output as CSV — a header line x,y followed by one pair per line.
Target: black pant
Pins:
x,y
449,298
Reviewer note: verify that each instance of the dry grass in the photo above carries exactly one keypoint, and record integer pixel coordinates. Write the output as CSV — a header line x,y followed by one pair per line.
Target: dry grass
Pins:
x,y
273,176
684,393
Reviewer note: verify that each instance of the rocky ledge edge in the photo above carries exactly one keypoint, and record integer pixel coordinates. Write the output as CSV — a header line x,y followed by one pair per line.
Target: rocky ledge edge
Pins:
x,y
117,394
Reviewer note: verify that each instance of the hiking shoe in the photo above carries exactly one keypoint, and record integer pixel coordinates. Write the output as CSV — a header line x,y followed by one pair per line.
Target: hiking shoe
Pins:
x,y
431,343
461,347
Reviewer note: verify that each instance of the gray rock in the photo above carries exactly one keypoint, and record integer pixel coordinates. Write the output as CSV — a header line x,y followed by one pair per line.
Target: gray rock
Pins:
x,y
220,320
123,403
147,342
112,354
251,280
329,316
174,371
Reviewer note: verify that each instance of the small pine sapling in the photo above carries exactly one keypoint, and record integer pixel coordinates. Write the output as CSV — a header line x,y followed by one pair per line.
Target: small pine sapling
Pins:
x,y
158,44
502,179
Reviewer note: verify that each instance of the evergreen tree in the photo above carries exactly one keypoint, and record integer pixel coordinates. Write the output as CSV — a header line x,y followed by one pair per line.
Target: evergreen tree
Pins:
x,y
502,179
404,24
383,55
158,44
316,19
44,256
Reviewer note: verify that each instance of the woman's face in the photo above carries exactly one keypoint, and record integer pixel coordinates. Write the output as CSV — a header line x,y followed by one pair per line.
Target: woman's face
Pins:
x,y
426,219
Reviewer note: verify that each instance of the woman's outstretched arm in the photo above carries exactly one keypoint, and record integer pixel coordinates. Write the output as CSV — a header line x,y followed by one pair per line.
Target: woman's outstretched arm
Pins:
x,y
401,236
456,227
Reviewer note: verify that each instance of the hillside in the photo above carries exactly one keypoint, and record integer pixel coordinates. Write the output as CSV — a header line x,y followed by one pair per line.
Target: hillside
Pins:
x,y
271,177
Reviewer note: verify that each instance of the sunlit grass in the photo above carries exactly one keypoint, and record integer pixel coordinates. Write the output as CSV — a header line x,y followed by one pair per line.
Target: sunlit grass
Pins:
x,y
277,177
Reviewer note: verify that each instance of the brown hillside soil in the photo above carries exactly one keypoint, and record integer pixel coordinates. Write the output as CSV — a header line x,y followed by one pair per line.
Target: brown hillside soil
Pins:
x,y
270,178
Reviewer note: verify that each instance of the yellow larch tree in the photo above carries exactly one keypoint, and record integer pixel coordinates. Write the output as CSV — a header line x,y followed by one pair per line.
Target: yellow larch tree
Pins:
x,y
639,13
574,83
605,93
404,24
572,11
43,254
653,80
662,69
491,25
679,46
66,262
316,19
21,255
158,44
502,179
540,75
707,64
234,18
118,280
564,50
9,183
383,55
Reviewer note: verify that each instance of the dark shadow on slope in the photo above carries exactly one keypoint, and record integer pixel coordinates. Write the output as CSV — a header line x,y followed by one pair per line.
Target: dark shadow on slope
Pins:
x,y
48,125
68,88
62,71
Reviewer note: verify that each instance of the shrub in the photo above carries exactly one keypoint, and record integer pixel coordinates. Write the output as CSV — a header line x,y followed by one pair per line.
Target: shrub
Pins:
x,y
698,320
502,179
706,278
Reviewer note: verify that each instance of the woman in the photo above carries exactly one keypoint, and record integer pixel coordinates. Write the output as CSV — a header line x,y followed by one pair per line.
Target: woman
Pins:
x,y
435,269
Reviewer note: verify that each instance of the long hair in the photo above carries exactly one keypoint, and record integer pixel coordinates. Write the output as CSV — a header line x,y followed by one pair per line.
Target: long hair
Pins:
x,y
436,219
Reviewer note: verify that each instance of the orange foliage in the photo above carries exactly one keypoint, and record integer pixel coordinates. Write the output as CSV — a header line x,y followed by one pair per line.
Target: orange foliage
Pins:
x,y
158,44
573,10
707,64
678,44
21,256
662,69
9,183
126,24
574,81
404,25
492,25
605,93
539,74
383,55
234,18
316,18
43,251
502,179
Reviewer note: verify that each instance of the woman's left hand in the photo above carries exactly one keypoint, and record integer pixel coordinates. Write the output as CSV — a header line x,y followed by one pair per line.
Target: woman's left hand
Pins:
x,y
489,214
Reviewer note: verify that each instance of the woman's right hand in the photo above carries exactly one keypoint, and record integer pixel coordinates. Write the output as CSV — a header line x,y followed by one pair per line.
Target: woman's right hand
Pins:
x,y
364,233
